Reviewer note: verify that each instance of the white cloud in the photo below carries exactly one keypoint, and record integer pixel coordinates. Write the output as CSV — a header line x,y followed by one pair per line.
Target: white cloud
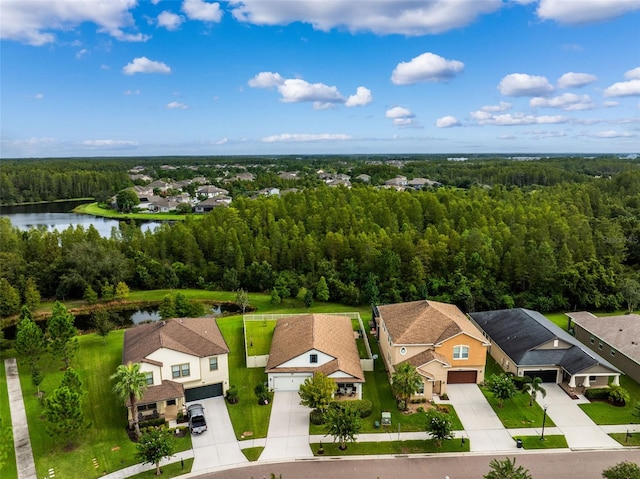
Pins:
x,y
201,10
174,105
222,141
144,65
633,74
507,119
131,92
610,103
521,84
575,80
361,98
401,116
266,80
110,143
81,53
623,88
416,17
566,101
297,90
584,11
502,106
170,20
301,137
541,135
447,122
613,134
426,67
39,96
34,23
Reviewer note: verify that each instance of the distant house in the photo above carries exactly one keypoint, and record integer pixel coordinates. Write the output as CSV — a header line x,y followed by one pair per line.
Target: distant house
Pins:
x,y
212,191
162,205
159,184
246,176
616,337
183,359
268,192
419,183
364,178
140,177
526,343
311,343
289,175
398,181
437,338
211,203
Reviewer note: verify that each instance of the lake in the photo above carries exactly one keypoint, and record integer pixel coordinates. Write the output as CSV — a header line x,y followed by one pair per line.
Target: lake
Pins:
x,y
59,216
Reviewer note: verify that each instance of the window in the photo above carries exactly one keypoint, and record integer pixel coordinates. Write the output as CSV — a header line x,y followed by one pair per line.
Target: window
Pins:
x,y
592,340
213,363
421,388
313,358
555,343
461,352
171,402
180,370
403,350
149,378
592,378
147,407
613,352
600,346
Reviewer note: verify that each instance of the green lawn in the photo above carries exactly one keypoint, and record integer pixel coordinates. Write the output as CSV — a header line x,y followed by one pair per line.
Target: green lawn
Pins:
x,y
604,413
174,469
516,411
549,442
105,438
252,453
8,468
95,210
622,438
259,336
246,416
394,447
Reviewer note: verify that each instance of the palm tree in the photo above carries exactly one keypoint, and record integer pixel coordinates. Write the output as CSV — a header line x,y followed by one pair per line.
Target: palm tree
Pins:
x,y
405,382
130,386
506,470
533,387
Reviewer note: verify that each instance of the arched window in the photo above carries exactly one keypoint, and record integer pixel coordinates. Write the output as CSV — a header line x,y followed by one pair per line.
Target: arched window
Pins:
x,y
461,352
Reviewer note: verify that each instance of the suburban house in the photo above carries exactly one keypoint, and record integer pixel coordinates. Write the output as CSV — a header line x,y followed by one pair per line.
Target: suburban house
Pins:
x,y
309,343
184,360
212,191
211,203
526,343
616,337
399,182
437,338
162,205
419,183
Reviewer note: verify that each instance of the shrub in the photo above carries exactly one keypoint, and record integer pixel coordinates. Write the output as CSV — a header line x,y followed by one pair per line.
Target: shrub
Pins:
x,y
159,421
597,393
262,393
519,381
619,395
316,417
420,409
444,396
364,407
232,395
443,408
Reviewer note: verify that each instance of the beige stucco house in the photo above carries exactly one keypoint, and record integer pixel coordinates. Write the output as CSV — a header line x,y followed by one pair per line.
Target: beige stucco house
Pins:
x,y
437,338
309,343
184,360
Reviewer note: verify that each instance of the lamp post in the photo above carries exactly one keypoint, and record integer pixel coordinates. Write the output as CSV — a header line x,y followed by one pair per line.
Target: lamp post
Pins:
x,y
544,418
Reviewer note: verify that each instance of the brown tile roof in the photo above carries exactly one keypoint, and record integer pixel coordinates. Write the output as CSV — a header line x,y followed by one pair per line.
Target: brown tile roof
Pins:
x,y
621,332
426,357
199,337
161,392
426,322
330,334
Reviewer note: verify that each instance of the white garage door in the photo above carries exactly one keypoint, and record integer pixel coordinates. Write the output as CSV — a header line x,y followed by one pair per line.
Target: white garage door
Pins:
x,y
288,383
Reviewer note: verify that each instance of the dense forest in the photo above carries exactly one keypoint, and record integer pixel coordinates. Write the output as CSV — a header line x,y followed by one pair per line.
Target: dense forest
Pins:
x,y
547,235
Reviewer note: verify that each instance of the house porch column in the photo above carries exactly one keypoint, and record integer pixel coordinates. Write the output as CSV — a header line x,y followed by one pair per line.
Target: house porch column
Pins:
x,y
616,380
572,381
586,382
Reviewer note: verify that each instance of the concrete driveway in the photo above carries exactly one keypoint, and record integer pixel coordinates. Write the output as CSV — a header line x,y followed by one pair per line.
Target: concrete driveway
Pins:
x,y
579,430
288,435
218,445
481,424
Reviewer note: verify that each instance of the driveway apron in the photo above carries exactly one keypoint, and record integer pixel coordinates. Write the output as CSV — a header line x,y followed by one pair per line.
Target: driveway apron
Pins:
x,y
21,441
218,445
288,435
481,424
578,429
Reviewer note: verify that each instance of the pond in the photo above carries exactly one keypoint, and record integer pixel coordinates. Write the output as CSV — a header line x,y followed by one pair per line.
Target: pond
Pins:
x,y
59,216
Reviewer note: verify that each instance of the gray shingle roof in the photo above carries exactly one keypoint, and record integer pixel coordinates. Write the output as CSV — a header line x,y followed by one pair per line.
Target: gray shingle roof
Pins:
x,y
518,332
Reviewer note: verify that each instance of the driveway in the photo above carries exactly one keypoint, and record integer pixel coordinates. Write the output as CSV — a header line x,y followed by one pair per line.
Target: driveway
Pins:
x,y
288,435
481,424
579,430
218,445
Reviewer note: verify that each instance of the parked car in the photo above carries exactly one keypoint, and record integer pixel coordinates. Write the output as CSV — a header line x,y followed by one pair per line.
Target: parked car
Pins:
x,y
197,422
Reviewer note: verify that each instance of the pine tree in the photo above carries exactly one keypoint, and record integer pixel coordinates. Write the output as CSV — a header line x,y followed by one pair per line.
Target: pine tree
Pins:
x,y
62,332
63,410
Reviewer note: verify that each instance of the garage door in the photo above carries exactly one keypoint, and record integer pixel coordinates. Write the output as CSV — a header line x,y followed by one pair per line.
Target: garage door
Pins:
x,y
288,383
203,392
462,377
547,376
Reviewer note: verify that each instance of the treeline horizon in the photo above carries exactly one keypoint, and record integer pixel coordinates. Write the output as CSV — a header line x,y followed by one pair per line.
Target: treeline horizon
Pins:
x,y
571,244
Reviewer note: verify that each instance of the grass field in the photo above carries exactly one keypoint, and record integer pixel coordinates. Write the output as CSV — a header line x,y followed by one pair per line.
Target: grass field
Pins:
x,y
622,438
604,413
95,210
549,442
516,411
395,447
259,335
252,453
174,469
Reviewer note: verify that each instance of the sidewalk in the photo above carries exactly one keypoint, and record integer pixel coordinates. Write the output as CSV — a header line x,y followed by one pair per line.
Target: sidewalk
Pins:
x,y
21,441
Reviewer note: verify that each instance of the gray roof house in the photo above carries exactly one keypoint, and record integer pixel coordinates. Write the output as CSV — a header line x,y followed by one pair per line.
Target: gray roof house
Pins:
x,y
526,343
616,337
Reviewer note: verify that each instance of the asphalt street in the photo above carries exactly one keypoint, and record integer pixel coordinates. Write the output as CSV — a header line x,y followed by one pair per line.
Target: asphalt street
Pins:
x,y
562,465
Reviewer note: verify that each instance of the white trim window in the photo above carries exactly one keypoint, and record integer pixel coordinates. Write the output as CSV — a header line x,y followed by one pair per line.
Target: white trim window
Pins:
x,y
213,363
148,377
180,370
461,352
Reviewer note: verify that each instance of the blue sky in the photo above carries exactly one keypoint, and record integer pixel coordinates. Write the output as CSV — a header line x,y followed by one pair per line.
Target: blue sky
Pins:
x,y
195,77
